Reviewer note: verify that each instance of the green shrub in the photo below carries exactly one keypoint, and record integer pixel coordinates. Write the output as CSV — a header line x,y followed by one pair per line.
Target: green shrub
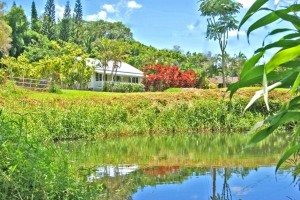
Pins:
x,y
54,88
125,87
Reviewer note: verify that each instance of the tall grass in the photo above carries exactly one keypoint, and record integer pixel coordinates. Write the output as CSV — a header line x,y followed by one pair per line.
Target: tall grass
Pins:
x,y
31,169
61,119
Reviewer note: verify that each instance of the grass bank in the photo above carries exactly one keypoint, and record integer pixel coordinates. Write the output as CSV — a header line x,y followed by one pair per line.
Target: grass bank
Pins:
x,y
86,114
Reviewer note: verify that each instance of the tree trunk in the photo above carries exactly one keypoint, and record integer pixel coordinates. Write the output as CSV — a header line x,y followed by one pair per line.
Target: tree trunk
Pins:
x,y
223,69
214,197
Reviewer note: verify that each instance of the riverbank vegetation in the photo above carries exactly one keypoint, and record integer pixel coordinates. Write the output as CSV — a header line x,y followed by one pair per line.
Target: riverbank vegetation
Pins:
x,y
32,167
84,114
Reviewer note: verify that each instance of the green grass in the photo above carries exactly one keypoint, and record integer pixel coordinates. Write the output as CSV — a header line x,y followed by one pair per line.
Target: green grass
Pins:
x,y
173,90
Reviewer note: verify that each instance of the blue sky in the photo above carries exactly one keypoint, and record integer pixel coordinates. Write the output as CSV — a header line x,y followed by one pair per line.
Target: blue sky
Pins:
x,y
159,23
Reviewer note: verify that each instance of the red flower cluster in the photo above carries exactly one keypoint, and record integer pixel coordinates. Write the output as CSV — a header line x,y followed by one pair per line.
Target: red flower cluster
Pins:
x,y
159,78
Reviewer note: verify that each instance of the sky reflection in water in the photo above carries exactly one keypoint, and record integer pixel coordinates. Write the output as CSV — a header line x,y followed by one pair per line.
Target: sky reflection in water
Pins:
x,y
260,183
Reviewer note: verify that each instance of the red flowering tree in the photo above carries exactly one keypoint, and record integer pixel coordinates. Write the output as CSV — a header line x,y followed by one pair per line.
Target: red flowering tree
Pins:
x,y
159,78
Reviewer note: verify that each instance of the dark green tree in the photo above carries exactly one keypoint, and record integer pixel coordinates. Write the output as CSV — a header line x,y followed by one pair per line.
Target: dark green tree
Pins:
x,y
77,30
35,23
78,12
48,26
220,20
65,25
17,20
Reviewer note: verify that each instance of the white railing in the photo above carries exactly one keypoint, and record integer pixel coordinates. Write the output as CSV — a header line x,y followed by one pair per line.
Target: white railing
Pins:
x,y
39,84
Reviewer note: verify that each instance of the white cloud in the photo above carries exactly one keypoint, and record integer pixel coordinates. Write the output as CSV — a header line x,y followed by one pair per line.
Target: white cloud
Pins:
x,y
194,25
100,15
133,5
240,191
191,27
109,8
246,3
59,11
234,33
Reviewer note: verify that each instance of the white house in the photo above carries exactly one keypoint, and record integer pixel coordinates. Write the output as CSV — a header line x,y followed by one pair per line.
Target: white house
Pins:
x,y
125,73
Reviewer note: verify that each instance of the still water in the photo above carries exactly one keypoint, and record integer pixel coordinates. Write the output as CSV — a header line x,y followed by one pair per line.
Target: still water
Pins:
x,y
185,166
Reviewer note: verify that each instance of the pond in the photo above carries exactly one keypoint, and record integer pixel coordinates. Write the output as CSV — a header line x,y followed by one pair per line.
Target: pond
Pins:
x,y
185,166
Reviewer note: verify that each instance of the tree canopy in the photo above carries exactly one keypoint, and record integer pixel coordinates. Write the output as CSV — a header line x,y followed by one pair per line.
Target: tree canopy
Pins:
x,y
48,26
220,20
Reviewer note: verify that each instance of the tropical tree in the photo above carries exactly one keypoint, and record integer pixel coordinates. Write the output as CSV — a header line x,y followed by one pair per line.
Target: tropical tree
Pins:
x,y
77,21
35,22
281,70
65,26
220,20
17,20
237,62
48,26
110,50
5,32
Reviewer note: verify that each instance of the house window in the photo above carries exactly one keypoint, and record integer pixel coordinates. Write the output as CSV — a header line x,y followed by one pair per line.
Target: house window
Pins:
x,y
135,80
106,77
98,77
117,78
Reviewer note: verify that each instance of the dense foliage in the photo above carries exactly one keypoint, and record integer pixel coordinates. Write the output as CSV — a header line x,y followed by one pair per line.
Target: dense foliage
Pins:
x,y
281,70
5,32
95,39
159,78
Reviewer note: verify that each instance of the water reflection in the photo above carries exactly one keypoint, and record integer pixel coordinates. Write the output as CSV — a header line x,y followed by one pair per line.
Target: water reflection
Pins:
x,y
225,184
112,171
195,166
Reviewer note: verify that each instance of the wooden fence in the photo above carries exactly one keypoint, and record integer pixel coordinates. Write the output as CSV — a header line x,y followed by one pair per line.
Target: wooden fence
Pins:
x,y
38,84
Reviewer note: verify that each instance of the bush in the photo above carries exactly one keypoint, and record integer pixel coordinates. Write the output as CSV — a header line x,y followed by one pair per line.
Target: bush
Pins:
x,y
160,78
125,87
54,88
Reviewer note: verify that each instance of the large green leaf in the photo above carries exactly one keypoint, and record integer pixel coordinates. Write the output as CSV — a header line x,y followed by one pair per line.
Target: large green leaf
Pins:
x,y
267,19
296,84
282,57
255,7
251,63
272,17
287,154
290,18
255,75
291,36
278,44
276,31
279,119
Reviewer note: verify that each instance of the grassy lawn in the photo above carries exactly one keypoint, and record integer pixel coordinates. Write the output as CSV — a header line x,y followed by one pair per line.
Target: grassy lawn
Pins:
x,y
173,93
